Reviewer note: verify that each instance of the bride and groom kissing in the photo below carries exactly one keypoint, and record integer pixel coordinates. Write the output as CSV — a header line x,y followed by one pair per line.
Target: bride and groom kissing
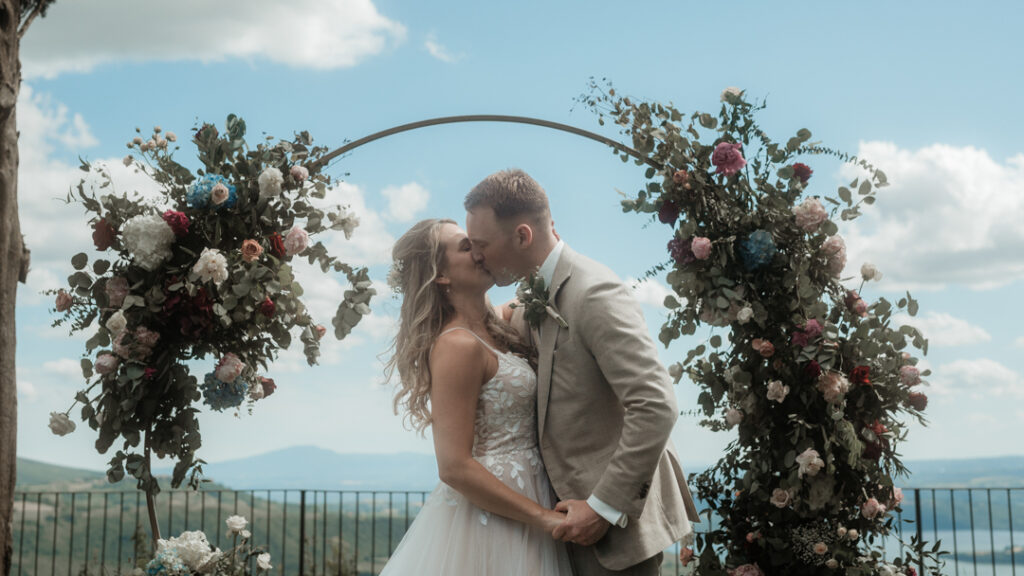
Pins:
x,y
551,430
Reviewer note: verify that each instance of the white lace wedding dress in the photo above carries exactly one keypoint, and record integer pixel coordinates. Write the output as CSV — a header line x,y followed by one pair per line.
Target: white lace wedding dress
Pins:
x,y
452,537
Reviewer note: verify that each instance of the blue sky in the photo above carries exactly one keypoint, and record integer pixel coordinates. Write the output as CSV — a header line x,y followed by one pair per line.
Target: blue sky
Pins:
x,y
923,90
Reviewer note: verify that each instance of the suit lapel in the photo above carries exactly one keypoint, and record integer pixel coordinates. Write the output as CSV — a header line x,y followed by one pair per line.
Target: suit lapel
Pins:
x,y
548,338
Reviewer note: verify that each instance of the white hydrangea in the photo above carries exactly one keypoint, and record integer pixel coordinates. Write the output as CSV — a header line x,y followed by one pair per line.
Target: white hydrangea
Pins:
x,y
148,239
212,265
192,547
270,182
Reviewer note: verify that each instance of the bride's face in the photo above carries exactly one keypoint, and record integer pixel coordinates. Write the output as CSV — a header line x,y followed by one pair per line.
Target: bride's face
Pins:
x,y
462,272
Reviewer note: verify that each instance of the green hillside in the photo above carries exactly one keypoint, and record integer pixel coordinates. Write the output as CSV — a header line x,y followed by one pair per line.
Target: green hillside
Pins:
x,y
34,473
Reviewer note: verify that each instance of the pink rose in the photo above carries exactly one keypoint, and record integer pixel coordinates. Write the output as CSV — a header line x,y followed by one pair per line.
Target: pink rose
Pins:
x,y
146,338
733,417
681,178
746,570
728,158
701,247
229,368
820,548
106,363
117,289
910,375
299,173
860,308
834,249
833,386
320,331
810,215
763,347
63,302
296,241
809,462
780,498
268,386
897,497
219,194
871,509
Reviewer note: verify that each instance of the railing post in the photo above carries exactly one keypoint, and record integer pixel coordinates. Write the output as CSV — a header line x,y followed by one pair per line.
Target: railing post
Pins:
x,y
302,533
917,521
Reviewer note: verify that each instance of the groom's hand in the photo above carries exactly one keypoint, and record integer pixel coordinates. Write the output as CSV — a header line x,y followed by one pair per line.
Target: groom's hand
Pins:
x,y
581,525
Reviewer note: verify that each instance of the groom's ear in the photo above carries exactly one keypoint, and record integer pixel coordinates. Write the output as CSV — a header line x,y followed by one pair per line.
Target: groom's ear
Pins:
x,y
523,235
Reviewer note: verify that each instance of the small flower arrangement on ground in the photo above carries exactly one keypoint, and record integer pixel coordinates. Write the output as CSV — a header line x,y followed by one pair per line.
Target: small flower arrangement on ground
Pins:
x,y
191,554
815,379
203,270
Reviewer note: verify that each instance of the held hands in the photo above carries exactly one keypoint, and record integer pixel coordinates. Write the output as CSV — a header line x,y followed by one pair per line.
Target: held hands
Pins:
x,y
581,525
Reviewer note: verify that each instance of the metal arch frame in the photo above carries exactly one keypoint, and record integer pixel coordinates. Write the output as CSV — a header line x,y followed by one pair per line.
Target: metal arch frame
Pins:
x,y
324,160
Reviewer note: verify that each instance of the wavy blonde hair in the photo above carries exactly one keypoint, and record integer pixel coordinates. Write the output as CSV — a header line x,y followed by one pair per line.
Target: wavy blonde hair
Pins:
x,y
419,259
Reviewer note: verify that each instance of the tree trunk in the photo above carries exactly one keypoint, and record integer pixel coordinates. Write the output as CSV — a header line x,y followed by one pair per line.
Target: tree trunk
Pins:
x,y
11,268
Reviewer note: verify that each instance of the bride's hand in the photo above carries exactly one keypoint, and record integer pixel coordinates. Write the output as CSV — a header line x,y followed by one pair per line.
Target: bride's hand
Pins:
x,y
551,520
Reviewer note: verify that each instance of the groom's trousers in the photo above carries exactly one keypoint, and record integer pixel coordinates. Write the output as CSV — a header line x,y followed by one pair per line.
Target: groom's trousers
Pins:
x,y
584,563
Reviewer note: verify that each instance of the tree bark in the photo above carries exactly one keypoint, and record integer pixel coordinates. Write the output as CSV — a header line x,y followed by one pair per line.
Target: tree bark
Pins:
x,y
11,258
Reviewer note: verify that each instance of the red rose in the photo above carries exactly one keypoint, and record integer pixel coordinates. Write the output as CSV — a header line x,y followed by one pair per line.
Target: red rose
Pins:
x,y
150,372
910,570
802,171
861,375
812,370
917,401
103,234
276,245
872,450
268,386
681,250
267,307
177,221
668,213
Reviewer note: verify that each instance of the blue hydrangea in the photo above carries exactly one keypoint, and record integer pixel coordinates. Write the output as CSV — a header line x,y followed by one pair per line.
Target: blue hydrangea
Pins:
x,y
167,563
221,395
757,250
198,195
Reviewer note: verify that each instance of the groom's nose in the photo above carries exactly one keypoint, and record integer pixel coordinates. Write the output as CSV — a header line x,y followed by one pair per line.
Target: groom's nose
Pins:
x,y
478,256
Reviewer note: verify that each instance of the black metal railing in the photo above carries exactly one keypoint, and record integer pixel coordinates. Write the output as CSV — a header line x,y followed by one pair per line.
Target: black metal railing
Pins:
x,y
350,533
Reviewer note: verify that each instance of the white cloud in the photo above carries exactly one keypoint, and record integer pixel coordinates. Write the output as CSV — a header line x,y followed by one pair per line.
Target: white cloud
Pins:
x,y
406,201
943,329
317,34
27,390
371,242
950,216
437,50
649,291
982,377
65,367
1019,342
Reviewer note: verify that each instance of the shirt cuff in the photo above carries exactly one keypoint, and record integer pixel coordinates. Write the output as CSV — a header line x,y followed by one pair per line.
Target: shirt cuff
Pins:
x,y
605,511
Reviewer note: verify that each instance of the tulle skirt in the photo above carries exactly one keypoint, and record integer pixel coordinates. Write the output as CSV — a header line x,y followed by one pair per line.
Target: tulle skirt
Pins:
x,y
452,537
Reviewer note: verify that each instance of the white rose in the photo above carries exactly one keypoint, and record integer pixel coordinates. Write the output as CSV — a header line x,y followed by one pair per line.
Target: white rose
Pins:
x,y
777,391
780,498
852,534
171,137
116,323
211,266
229,368
810,462
236,524
733,417
745,314
219,194
832,564
270,182
886,570
299,173
296,241
869,271
263,561
731,90
60,424
245,534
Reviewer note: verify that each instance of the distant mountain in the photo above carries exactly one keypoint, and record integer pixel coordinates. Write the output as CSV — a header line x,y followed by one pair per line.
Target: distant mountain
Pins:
x,y
320,469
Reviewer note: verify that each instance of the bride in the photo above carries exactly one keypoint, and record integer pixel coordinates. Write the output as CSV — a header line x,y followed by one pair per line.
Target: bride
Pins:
x,y
463,370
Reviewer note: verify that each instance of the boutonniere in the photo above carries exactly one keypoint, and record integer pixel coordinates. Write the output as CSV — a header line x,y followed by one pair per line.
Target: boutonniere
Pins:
x,y
535,299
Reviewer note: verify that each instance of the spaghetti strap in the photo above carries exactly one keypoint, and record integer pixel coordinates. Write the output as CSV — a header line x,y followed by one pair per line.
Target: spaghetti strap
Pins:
x,y
482,341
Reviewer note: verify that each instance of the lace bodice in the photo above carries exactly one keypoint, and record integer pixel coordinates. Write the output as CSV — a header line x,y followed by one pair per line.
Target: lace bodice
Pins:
x,y
506,412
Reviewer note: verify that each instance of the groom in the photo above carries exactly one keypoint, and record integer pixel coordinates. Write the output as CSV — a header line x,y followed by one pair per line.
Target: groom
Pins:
x,y
605,405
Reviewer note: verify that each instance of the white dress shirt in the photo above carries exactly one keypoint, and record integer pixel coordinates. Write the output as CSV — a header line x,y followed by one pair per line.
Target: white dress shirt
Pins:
x,y
547,272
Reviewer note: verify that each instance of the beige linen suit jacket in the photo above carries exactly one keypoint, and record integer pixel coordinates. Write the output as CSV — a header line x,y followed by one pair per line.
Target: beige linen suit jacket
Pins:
x,y
605,409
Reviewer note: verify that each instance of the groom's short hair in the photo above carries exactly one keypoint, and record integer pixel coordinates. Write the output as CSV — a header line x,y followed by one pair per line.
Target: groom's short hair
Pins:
x,y
512,194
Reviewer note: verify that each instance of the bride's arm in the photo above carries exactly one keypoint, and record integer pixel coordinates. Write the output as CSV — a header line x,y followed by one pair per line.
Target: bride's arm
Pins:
x,y
458,366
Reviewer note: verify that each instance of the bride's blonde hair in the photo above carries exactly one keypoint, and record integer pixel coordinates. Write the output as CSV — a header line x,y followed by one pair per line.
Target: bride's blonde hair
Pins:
x,y
419,259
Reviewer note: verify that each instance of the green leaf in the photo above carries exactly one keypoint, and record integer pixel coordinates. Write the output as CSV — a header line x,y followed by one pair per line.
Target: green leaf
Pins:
x,y
716,341
845,195
865,187
79,260
100,267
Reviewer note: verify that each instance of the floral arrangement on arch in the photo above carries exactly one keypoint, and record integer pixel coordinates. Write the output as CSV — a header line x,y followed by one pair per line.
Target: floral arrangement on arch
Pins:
x,y
816,379
201,272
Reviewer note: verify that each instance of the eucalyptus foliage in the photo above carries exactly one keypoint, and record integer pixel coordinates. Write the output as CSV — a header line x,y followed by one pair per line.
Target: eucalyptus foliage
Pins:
x,y
808,373
146,403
